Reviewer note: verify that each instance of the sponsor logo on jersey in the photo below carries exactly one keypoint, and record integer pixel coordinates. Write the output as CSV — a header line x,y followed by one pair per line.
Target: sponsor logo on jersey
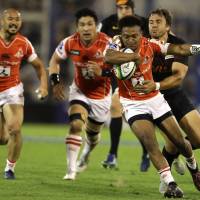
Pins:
x,y
5,56
169,57
74,52
19,53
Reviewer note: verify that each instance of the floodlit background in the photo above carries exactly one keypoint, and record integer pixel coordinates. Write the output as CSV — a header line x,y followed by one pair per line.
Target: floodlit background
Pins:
x,y
46,22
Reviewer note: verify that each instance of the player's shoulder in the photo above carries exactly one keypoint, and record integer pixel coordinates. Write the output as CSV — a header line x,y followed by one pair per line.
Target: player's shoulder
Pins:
x,y
147,41
22,38
104,37
175,39
72,39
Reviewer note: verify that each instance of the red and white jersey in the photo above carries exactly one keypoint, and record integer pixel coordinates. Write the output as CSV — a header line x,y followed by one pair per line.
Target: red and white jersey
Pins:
x,y
147,49
11,56
72,47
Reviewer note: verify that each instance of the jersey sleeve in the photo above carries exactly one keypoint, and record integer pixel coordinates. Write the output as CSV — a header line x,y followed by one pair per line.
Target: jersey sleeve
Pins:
x,y
114,44
61,49
158,47
30,53
181,59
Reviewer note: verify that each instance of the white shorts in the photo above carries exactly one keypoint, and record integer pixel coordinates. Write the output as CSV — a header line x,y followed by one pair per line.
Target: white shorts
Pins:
x,y
99,108
13,95
155,107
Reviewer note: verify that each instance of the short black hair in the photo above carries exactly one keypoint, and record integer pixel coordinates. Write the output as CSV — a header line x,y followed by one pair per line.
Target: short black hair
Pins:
x,y
165,13
129,21
84,13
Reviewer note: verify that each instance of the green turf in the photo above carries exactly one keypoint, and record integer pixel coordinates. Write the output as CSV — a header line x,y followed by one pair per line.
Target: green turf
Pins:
x,y
42,165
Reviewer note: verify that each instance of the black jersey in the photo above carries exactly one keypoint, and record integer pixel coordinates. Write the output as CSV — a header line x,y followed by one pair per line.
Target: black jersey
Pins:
x,y
162,64
110,25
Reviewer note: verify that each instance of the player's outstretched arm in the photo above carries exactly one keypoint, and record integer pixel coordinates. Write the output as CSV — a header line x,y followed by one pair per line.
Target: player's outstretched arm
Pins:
x,y
54,74
184,49
118,57
38,65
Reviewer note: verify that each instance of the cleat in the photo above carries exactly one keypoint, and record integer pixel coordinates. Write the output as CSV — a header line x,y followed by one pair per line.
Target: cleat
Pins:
x,y
162,187
173,191
82,164
179,166
195,173
70,176
9,175
145,163
110,162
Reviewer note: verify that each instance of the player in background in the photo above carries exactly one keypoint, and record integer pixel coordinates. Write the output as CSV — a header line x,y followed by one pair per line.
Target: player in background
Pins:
x,y
14,48
90,95
110,26
141,110
169,72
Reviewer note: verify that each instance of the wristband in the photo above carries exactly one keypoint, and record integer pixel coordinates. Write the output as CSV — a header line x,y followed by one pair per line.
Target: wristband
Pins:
x,y
54,79
157,85
195,49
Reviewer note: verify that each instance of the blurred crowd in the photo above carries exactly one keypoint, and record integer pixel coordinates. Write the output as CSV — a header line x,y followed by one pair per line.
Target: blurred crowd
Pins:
x,y
59,16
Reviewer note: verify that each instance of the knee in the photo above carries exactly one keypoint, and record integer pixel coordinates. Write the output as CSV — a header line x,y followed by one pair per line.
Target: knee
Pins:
x,y
92,137
14,129
76,126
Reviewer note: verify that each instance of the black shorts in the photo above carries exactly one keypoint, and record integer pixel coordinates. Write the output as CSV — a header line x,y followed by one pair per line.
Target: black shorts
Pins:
x,y
179,103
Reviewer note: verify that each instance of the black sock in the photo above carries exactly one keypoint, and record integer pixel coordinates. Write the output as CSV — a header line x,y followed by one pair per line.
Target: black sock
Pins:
x,y
115,133
169,157
193,147
143,149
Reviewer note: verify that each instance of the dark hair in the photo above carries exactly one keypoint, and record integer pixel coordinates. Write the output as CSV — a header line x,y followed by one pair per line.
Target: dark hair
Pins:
x,y
165,13
129,21
84,13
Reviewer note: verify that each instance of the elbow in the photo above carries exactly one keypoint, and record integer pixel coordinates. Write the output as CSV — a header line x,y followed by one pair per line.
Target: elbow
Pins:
x,y
178,81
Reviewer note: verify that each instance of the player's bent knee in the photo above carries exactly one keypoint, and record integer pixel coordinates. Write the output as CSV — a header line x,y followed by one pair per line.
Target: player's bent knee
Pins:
x,y
76,126
76,123
14,129
92,136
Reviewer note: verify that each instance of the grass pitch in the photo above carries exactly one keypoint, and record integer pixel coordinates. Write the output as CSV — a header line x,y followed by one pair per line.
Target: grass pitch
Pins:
x,y
42,165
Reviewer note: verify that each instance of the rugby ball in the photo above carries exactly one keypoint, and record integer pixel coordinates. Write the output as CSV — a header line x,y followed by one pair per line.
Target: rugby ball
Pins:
x,y
125,71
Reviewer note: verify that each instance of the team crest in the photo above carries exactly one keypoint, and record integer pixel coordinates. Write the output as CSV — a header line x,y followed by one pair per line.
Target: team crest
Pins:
x,y
19,53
